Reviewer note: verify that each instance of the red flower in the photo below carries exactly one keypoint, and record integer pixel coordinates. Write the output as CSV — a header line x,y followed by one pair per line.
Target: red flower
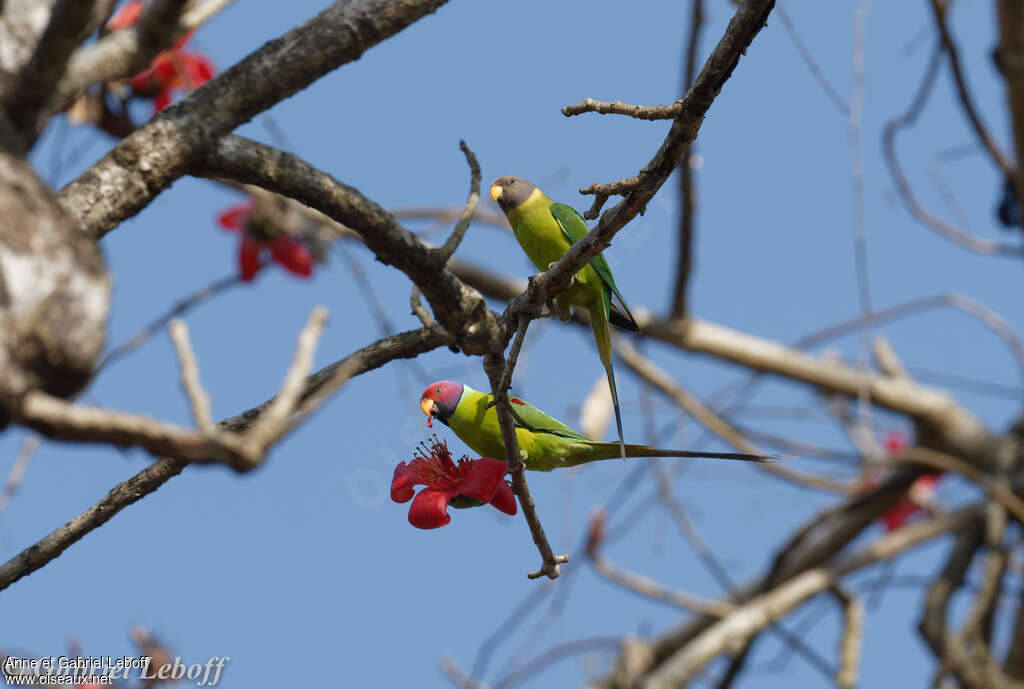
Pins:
x,y
257,238
172,70
917,497
921,492
480,480
126,15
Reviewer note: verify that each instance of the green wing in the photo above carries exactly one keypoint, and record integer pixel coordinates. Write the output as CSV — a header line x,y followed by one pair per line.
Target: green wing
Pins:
x,y
575,228
538,421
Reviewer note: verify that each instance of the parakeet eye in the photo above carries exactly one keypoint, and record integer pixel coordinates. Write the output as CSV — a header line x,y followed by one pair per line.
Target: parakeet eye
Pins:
x,y
437,391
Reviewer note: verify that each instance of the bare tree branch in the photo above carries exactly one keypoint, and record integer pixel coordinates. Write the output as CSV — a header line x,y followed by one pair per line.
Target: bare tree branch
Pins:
x,y
402,346
851,640
452,243
198,399
939,9
160,152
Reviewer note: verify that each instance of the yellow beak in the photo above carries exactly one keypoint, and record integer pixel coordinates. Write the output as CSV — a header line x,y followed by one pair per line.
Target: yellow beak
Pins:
x,y
427,406
496,192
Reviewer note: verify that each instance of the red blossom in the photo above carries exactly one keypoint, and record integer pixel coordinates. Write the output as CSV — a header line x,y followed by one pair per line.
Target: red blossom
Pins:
x,y
921,491
170,71
482,480
291,253
126,15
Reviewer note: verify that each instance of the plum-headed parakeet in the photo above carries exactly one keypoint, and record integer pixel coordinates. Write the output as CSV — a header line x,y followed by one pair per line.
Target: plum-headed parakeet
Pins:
x,y
545,442
546,230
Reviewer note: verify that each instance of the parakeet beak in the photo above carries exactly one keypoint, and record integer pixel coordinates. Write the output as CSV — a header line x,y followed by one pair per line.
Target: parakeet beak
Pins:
x,y
427,405
496,193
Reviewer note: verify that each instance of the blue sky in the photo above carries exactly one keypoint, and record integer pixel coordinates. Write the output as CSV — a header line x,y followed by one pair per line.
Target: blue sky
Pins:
x,y
306,563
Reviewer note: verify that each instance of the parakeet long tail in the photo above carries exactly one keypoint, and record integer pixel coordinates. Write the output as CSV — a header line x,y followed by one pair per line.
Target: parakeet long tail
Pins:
x,y
615,403
599,322
611,451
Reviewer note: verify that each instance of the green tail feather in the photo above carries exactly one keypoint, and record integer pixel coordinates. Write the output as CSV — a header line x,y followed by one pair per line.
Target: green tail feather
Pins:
x,y
598,451
615,403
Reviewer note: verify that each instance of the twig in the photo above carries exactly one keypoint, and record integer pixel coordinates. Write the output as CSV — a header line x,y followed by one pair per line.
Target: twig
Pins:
x,y
273,421
945,190
458,677
743,27
863,431
852,638
418,309
985,315
601,192
652,589
197,397
513,353
443,215
1002,162
365,287
139,338
452,243
687,219
689,531
494,366
886,359
18,469
978,625
553,655
812,64
640,112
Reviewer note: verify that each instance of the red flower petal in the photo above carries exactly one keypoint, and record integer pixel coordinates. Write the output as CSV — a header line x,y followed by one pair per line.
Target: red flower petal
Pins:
x,y
898,515
236,217
165,69
249,257
402,483
126,15
482,478
429,509
291,254
504,499
198,69
142,83
162,100
180,43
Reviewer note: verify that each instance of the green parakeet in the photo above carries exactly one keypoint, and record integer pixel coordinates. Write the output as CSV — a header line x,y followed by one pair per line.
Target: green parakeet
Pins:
x,y
546,230
545,442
